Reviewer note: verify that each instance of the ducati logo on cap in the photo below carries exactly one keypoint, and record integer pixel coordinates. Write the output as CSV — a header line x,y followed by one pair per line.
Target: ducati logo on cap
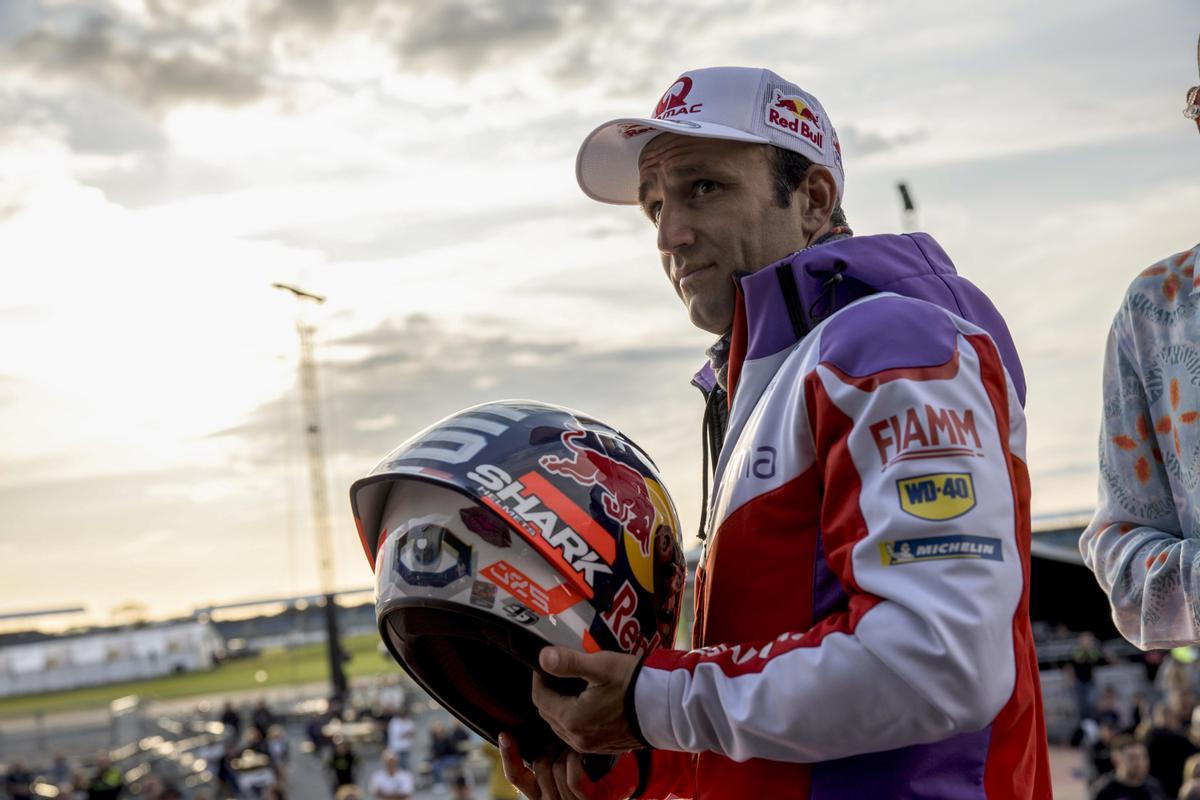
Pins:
x,y
794,116
674,101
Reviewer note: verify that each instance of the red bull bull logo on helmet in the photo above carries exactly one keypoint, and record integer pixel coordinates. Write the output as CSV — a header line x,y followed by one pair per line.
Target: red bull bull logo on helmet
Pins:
x,y
626,497
793,115
675,100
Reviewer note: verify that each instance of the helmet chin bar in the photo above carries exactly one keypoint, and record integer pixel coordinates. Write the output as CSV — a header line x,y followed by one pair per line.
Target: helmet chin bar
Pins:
x,y
477,666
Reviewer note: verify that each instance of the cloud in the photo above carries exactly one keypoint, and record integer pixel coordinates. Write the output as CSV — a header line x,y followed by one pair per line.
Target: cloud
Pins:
x,y
152,67
386,383
858,142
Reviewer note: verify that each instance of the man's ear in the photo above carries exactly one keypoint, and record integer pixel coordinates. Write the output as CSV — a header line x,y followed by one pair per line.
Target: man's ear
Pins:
x,y
819,196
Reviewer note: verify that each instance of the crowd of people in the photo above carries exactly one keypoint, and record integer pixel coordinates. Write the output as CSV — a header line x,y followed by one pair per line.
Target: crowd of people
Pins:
x,y
1139,741
253,758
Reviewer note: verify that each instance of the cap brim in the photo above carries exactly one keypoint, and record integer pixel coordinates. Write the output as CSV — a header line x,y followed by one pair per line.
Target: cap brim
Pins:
x,y
607,164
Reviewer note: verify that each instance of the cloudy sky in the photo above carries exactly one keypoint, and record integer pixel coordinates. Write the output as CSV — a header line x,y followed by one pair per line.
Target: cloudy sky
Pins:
x,y
163,162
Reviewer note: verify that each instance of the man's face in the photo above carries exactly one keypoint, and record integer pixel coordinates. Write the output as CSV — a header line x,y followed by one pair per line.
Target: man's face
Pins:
x,y
713,202
1132,763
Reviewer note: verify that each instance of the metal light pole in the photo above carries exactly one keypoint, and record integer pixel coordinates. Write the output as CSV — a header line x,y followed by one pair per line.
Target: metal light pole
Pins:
x,y
320,497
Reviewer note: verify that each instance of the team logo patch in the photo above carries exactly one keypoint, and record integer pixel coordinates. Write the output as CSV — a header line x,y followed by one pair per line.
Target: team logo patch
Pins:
x,y
935,548
937,497
793,115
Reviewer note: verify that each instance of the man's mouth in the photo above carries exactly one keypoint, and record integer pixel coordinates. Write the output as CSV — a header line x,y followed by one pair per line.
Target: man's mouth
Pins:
x,y
690,274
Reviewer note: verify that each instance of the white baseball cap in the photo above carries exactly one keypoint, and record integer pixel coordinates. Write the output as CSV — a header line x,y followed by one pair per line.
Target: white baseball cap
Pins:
x,y
741,104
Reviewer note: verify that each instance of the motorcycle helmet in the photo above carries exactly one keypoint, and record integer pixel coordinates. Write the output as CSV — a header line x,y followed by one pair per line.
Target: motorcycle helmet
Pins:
x,y
508,527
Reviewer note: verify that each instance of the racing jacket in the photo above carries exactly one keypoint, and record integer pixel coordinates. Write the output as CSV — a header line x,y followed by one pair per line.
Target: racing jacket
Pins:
x,y
861,626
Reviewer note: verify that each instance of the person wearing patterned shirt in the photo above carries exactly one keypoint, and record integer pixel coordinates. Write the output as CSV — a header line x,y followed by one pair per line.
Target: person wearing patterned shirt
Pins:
x,y
1144,542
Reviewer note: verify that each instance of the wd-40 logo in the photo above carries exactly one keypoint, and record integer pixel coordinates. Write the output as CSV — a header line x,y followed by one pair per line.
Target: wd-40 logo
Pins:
x,y
935,548
626,497
926,432
675,101
944,495
581,549
793,115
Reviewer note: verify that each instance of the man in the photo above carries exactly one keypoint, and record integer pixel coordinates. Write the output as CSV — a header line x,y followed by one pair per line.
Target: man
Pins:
x,y
861,623
399,735
107,783
1167,747
342,764
1084,660
1130,779
1144,542
18,781
390,782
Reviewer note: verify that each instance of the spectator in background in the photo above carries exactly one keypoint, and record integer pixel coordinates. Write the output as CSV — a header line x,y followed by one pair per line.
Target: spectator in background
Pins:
x,y
315,728
462,789
107,781
1107,707
279,750
1130,778
342,763
1179,672
227,778
262,718
232,721
60,771
1084,660
18,781
390,782
1097,750
1167,747
399,736
1141,711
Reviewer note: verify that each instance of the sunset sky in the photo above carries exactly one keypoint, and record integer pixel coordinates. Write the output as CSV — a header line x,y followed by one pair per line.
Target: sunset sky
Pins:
x,y
163,162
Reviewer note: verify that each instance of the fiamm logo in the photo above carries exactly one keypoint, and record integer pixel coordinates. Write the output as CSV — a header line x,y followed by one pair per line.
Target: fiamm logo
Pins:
x,y
936,548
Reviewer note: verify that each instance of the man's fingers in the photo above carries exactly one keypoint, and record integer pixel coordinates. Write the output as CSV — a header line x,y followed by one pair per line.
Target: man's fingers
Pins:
x,y
515,770
592,667
549,702
544,769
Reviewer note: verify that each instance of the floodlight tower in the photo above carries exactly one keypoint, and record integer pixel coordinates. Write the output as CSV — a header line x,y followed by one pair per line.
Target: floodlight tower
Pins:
x,y
908,217
318,488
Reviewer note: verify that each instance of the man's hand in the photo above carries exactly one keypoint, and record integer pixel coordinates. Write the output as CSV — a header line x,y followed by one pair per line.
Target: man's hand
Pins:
x,y
563,778
594,721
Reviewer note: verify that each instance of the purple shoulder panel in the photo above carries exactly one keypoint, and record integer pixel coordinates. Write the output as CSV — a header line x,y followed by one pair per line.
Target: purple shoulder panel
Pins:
x,y
950,768
888,333
910,265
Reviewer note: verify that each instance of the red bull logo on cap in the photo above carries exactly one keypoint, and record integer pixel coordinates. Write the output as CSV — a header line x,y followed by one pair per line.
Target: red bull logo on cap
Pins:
x,y
674,100
793,115
627,497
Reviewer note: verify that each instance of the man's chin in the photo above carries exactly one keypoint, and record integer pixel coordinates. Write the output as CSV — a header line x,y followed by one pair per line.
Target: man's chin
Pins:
x,y
711,324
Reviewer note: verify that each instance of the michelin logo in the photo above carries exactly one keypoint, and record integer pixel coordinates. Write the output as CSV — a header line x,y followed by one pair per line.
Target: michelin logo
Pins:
x,y
934,548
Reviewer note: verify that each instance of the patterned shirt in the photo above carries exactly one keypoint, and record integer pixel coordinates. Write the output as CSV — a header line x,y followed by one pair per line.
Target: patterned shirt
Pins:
x,y
1144,543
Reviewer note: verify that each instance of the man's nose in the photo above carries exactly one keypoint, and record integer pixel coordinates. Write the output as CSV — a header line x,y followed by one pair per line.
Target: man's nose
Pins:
x,y
675,231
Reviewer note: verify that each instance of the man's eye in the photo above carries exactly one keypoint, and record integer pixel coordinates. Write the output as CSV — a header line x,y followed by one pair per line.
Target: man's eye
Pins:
x,y
653,211
704,187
